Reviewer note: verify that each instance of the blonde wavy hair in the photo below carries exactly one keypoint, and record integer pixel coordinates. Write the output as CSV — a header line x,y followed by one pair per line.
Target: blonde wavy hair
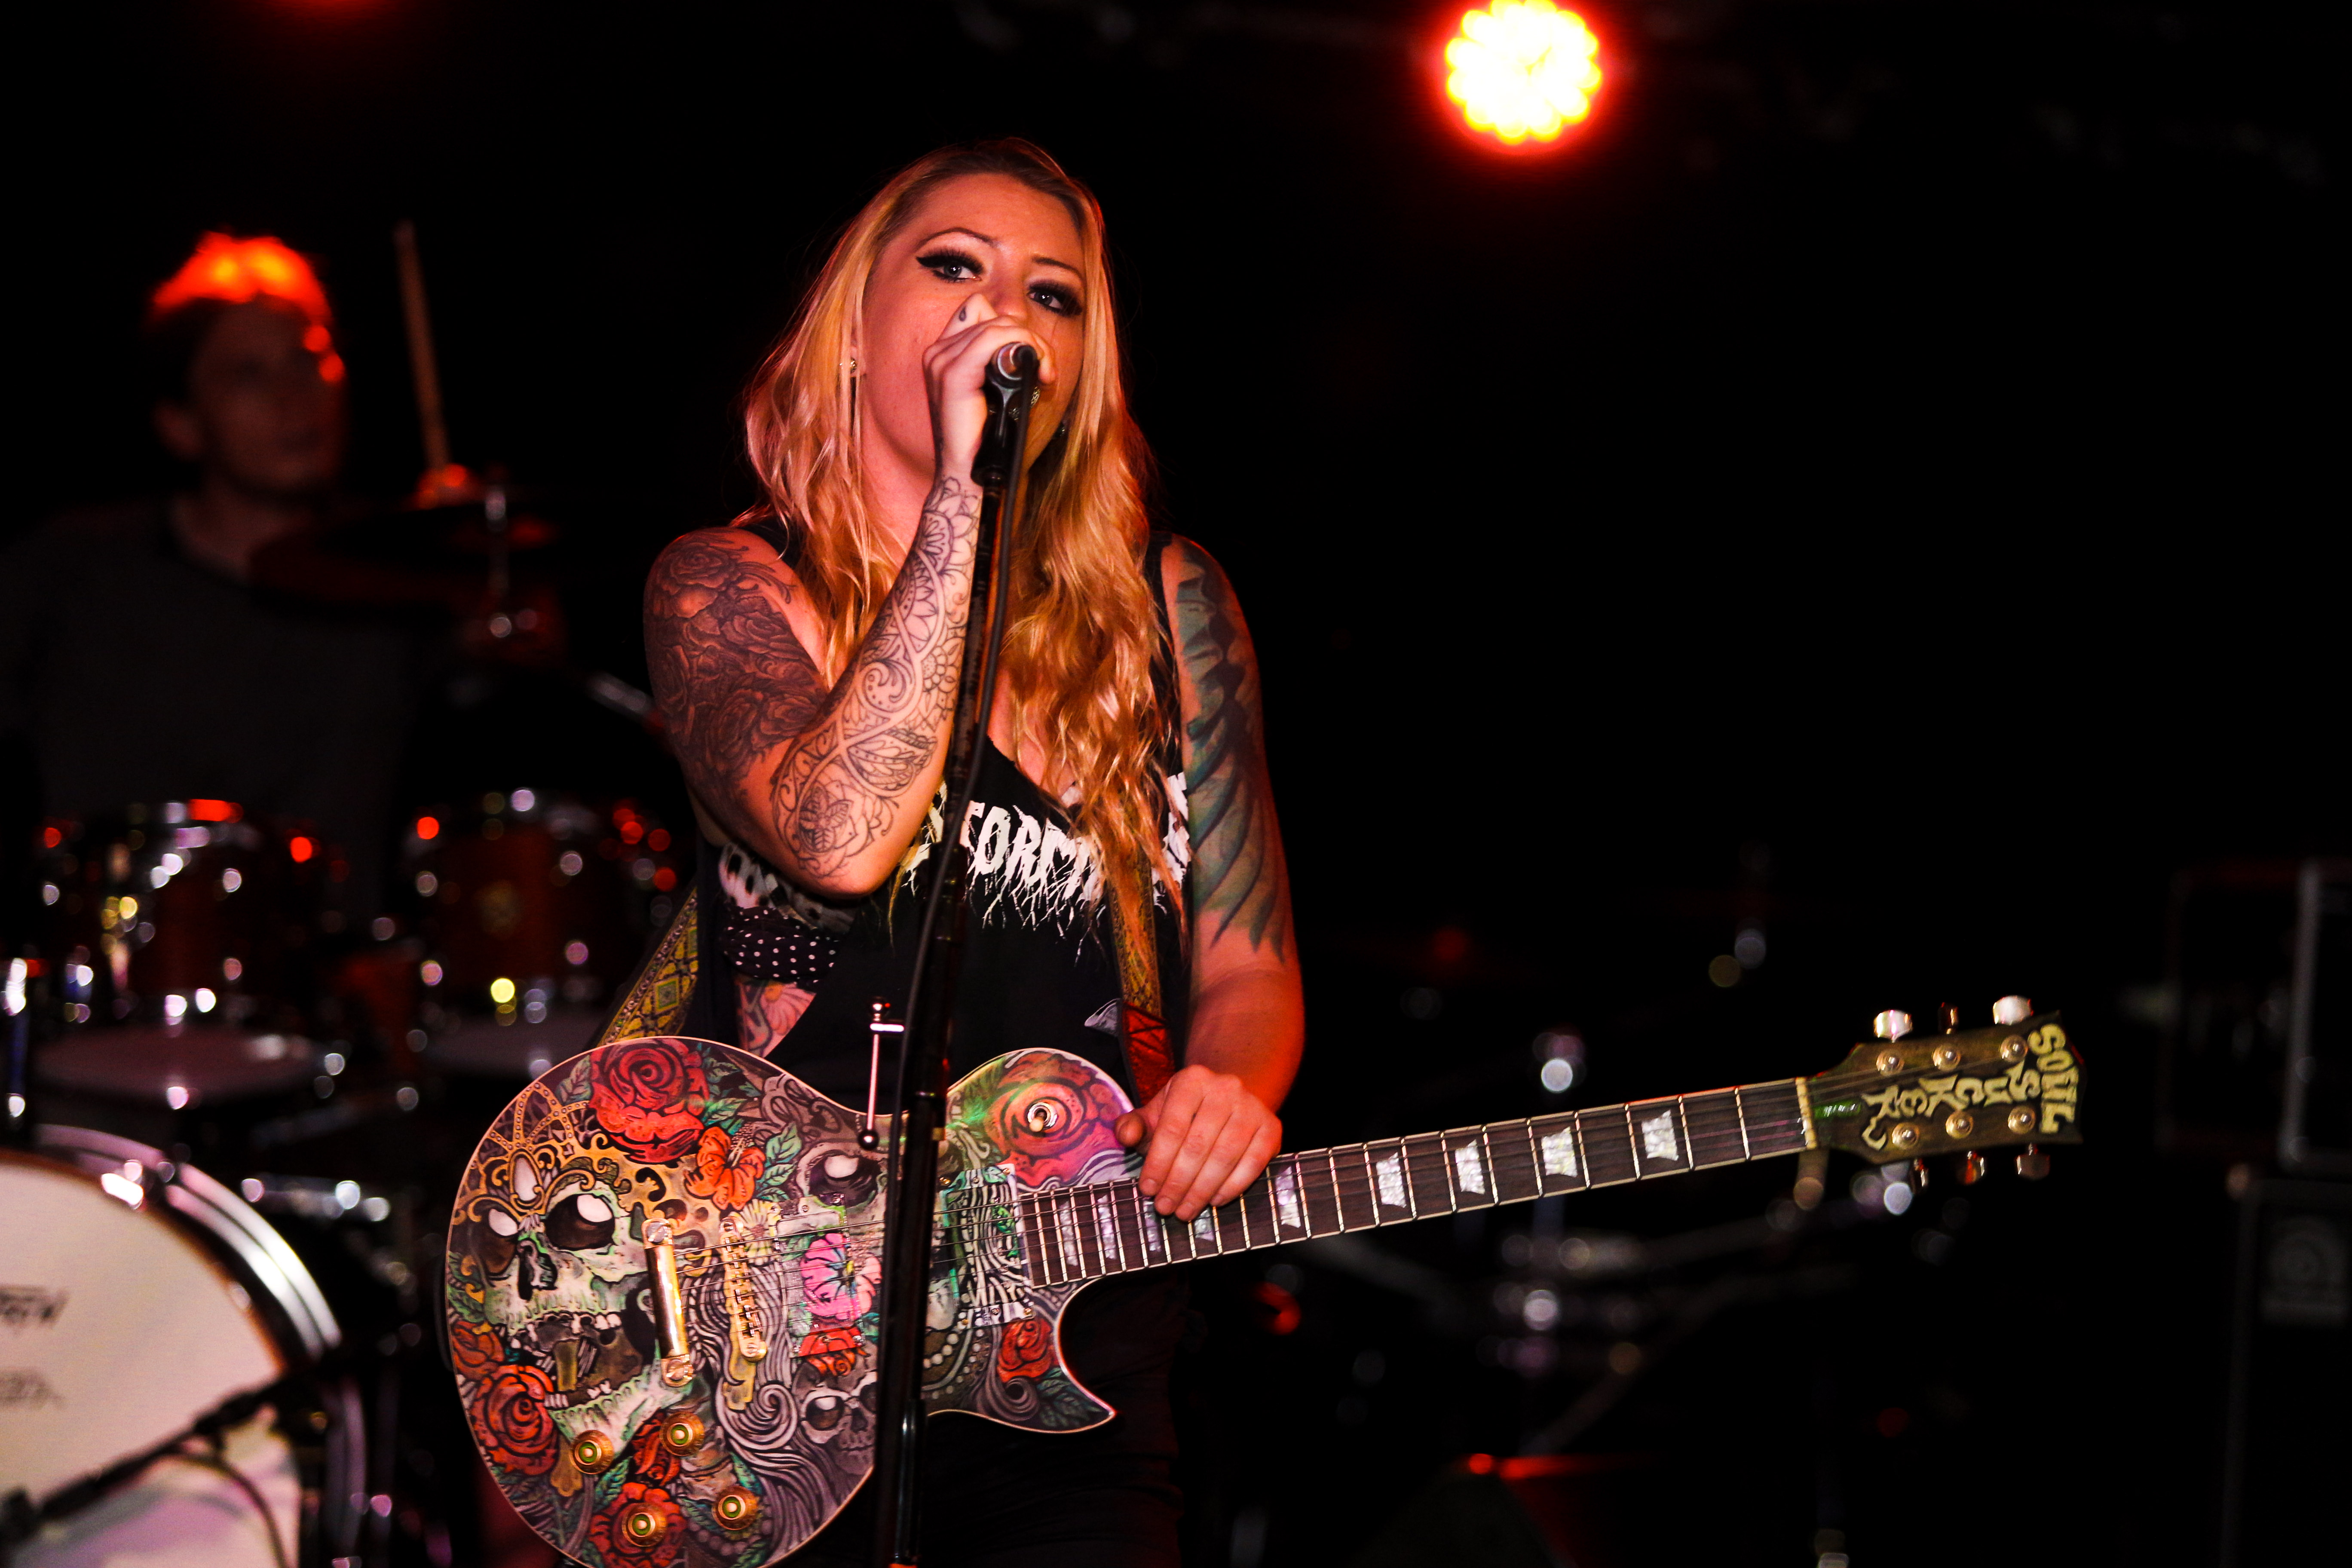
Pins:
x,y
1081,632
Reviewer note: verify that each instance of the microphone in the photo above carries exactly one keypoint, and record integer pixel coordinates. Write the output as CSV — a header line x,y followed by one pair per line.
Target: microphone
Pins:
x,y
1012,387
1011,367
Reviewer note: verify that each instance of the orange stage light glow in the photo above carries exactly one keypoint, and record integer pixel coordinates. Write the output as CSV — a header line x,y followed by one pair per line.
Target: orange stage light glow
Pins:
x,y
1523,70
236,271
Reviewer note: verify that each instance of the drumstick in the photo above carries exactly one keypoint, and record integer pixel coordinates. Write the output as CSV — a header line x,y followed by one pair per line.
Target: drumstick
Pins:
x,y
422,365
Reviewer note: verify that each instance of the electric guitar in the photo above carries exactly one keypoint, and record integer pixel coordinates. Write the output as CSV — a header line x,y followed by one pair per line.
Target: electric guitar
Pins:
x,y
664,1265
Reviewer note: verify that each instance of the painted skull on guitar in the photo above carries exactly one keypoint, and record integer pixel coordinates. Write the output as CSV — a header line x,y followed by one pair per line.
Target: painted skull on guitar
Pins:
x,y
775,1215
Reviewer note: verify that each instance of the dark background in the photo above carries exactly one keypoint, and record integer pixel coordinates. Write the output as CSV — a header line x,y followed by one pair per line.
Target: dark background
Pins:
x,y
1868,482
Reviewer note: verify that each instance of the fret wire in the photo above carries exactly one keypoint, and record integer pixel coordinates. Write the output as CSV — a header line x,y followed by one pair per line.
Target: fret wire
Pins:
x,y
1690,1150
1535,1157
1445,1169
1131,1219
1494,1182
1065,1232
1147,1213
1103,1264
1089,1257
1739,1110
1584,1155
1118,1233
1139,1208
1633,1143
1339,1198
1125,1224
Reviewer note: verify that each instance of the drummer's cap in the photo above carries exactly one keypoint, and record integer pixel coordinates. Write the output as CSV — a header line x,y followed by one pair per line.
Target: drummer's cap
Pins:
x,y
226,271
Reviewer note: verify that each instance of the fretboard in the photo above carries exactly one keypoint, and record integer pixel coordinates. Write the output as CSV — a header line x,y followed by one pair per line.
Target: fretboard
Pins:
x,y
1092,1230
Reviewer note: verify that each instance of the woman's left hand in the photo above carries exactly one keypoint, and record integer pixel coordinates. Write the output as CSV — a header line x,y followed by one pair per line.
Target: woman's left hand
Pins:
x,y
1209,1136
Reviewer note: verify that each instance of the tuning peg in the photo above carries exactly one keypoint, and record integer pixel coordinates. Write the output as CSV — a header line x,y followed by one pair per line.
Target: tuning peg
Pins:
x,y
1951,1018
2013,1010
1891,1025
1973,1168
2033,1164
1919,1176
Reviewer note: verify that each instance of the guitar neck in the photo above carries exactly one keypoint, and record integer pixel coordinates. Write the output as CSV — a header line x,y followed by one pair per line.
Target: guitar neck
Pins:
x,y
1101,1228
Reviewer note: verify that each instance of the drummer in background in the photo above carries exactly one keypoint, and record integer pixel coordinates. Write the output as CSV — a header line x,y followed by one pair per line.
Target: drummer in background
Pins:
x,y
138,661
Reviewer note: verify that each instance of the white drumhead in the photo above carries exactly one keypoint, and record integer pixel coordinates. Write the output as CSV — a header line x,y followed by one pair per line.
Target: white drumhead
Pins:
x,y
118,1331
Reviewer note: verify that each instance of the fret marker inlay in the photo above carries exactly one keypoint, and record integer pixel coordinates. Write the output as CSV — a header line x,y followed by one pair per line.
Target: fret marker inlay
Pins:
x,y
1658,1137
1559,1152
1469,1172
1390,1173
1107,1227
1285,1198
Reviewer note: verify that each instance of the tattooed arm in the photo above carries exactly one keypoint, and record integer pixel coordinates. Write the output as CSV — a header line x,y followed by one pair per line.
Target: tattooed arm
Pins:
x,y
1213,1128
828,784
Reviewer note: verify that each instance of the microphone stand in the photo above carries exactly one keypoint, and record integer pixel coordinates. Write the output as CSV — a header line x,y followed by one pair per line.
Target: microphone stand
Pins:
x,y
922,1083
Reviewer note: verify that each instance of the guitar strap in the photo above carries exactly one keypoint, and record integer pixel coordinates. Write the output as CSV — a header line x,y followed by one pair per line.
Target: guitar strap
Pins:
x,y
657,999
1143,1026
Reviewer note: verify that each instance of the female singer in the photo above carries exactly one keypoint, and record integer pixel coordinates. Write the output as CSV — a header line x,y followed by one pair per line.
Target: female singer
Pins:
x,y
1127,900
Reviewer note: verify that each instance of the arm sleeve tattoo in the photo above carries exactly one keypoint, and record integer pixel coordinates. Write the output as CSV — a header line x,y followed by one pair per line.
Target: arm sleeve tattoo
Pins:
x,y
737,685
1238,878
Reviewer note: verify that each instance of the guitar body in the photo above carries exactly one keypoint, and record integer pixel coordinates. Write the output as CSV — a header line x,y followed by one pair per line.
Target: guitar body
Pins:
x,y
743,1447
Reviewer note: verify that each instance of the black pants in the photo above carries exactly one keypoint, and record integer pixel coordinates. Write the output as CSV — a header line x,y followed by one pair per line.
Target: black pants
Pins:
x,y
1106,1497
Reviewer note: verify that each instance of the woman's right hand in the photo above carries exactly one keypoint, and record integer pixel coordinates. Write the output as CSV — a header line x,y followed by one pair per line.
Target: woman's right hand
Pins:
x,y
955,369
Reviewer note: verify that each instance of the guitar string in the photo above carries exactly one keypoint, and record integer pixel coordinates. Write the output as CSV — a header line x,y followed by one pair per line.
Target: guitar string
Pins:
x,y
1131,1215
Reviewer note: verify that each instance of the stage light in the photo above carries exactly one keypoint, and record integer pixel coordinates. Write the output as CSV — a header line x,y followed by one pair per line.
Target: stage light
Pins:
x,y
1523,70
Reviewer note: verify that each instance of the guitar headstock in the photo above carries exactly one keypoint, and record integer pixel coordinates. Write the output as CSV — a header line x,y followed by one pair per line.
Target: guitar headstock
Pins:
x,y
1907,1096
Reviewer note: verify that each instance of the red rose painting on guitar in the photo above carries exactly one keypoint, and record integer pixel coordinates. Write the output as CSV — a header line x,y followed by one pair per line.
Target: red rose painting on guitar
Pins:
x,y
663,1262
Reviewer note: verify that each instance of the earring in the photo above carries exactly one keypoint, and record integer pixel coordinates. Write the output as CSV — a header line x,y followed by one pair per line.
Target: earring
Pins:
x,y
849,367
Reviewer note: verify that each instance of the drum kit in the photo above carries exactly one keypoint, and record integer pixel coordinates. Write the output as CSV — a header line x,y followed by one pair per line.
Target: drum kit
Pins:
x,y
231,1113
200,1350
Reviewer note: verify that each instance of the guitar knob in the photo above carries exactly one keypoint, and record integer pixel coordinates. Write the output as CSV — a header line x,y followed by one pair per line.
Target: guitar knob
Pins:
x,y
593,1452
736,1508
1973,1168
2033,1164
2013,1010
1891,1025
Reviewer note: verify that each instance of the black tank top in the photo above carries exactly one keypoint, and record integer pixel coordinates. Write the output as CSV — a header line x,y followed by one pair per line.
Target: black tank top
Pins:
x,y
1040,964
